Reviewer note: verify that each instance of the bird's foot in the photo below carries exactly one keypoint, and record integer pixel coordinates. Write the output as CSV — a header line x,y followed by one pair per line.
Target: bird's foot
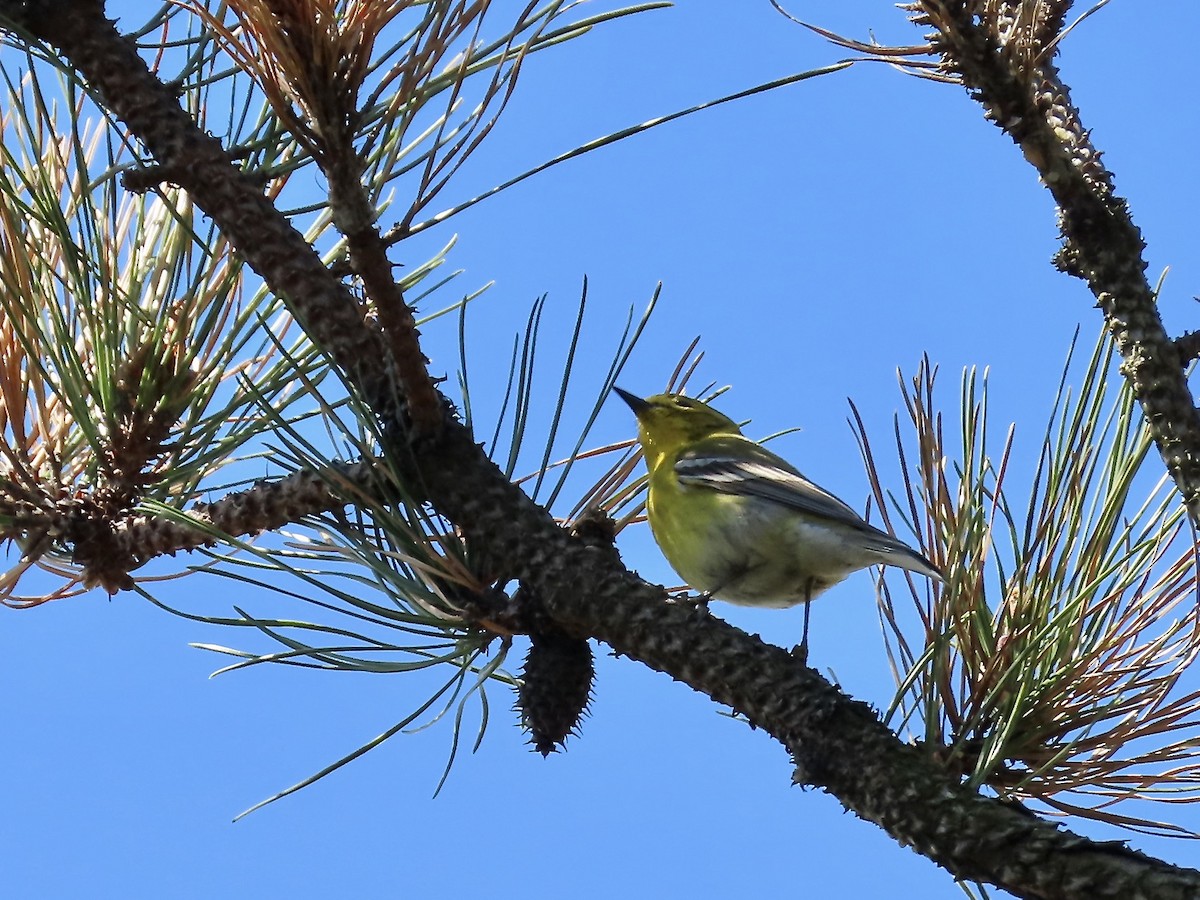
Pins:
x,y
684,598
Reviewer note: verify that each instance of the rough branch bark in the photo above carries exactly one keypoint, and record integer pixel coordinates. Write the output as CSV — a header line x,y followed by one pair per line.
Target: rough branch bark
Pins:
x,y
1003,53
267,506
838,744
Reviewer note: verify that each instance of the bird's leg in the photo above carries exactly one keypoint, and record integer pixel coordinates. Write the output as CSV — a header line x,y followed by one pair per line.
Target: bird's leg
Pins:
x,y
800,651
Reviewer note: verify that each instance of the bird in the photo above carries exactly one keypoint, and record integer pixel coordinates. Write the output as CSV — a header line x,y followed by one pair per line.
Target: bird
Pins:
x,y
741,524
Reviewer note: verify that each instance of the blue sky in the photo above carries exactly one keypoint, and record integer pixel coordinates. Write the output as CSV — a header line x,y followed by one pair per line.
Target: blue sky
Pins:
x,y
817,238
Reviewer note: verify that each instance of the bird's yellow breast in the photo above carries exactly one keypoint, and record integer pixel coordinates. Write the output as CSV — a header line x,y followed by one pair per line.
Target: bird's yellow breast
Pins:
x,y
740,549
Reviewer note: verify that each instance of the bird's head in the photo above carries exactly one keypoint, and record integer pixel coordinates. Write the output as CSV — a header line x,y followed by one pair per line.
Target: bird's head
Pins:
x,y
669,421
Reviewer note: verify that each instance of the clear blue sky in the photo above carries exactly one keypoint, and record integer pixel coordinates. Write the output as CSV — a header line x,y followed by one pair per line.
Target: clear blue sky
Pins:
x,y
817,237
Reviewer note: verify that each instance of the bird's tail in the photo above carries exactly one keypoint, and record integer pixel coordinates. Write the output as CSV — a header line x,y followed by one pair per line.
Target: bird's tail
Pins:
x,y
897,553
905,557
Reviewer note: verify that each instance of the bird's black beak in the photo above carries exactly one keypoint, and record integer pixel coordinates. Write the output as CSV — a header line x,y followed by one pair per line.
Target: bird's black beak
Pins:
x,y
636,403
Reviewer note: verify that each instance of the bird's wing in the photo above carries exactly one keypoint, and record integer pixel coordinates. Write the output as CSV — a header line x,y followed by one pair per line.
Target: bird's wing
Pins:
x,y
737,465
734,464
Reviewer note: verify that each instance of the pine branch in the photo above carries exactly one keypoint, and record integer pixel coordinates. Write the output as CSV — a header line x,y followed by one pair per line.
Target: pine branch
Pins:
x,y
267,506
267,241
1002,53
321,67
838,744
355,218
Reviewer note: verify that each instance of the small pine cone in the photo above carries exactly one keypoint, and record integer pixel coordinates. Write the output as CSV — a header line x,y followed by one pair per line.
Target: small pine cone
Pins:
x,y
556,687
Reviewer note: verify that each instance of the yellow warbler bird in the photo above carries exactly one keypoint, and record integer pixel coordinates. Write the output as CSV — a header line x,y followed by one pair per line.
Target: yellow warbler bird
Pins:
x,y
741,524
